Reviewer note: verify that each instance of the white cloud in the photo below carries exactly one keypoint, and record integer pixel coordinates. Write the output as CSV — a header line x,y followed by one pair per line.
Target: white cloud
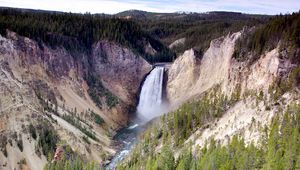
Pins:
x,y
114,6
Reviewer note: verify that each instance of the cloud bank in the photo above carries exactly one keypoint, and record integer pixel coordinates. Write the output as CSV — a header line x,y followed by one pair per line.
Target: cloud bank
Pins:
x,y
115,6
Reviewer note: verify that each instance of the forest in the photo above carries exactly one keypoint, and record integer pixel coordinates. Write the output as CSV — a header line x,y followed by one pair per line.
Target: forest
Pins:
x,y
198,28
282,28
278,149
78,32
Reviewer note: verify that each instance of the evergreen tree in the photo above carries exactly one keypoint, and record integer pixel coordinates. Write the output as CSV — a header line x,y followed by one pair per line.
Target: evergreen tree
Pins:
x,y
166,159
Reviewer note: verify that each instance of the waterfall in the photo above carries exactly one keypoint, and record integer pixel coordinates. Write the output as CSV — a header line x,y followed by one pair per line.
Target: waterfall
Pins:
x,y
150,104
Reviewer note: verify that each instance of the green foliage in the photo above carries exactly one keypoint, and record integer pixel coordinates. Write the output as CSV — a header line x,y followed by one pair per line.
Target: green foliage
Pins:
x,y
5,152
198,29
77,32
86,139
20,144
3,143
97,91
73,120
283,85
111,100
48,137
280,150
184,162
283,142
97,118
294,78
174,128
166,159
183,122
283,28
32,131
234,156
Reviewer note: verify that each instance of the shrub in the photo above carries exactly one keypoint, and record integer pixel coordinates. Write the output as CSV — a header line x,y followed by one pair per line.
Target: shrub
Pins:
x,y
48,138
98,119
97,91
3,143
111,100
20,144
75,122
5,152
32,131
86,139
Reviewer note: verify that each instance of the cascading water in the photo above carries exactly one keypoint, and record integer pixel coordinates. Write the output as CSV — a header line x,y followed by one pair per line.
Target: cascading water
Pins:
x,y
150,103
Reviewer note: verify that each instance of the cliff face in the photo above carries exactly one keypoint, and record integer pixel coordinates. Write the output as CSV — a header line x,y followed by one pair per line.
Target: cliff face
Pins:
x,y
120,69
213,69
39,83
182,75
190,77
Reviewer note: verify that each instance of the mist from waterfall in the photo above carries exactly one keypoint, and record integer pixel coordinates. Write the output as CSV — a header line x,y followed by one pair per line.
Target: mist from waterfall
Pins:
x,y
151,98
150,105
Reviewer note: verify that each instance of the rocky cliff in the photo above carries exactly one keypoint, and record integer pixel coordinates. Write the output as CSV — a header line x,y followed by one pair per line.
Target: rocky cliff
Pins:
x,y
189,77
120,69
43,84
203,73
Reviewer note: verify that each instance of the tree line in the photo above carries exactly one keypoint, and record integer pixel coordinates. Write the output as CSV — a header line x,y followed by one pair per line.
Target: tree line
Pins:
x,y
78,32
281,31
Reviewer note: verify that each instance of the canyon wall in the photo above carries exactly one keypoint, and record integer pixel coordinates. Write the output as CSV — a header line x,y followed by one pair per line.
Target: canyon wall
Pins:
x,y
41,83
191,76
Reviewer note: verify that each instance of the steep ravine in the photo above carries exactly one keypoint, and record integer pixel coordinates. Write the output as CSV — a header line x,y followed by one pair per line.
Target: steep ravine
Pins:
x,y
40,83
30,74
218,100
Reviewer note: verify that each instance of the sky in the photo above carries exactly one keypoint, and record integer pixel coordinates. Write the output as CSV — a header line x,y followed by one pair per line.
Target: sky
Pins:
x,y
115,6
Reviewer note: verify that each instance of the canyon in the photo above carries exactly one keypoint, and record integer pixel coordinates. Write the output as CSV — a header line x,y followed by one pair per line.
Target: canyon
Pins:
x,y
137,98
30,73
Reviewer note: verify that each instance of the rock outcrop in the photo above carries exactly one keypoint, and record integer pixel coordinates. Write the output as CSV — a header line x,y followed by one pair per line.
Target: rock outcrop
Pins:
x,y
203,74
120,69
190,77
182,75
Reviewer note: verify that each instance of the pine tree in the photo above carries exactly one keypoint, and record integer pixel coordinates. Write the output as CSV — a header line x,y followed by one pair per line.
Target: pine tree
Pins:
x,y
166,159
272,154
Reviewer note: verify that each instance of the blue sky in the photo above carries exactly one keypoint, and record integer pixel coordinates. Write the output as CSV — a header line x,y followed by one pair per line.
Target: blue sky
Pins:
x,y
114,6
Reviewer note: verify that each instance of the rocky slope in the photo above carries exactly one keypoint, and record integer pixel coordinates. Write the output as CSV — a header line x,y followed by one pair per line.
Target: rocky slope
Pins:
x,y
121,70
203,74
189,77
42,84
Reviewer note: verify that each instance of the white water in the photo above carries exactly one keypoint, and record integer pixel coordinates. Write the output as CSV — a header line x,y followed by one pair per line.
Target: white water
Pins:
x,y
150,104
133,126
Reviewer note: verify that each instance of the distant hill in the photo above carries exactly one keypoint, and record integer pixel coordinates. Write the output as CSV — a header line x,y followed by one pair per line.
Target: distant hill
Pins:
x,y
140,15
133,28
198,28
78,32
